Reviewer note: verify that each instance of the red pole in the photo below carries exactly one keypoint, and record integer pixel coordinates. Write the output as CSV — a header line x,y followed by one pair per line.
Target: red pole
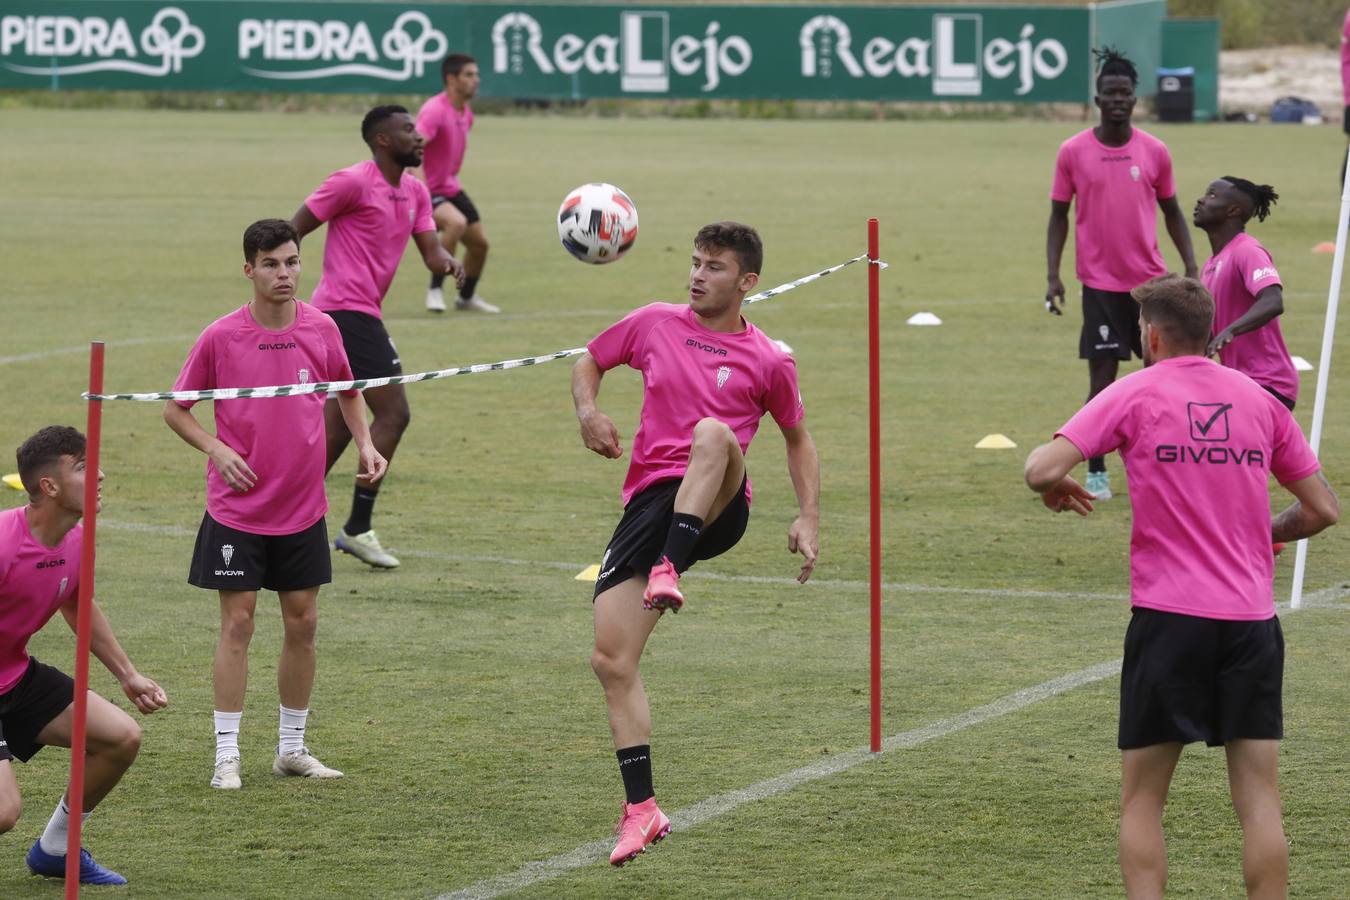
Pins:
x,y
874,479
75,794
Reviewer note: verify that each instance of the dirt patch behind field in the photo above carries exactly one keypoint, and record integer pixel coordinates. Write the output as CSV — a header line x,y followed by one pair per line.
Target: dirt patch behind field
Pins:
x,y
1252,80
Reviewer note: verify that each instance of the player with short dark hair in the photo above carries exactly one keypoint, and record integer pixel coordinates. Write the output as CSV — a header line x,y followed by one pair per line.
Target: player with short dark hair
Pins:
x,y
264,521
40,547
1248,294
445,120
1116,173
1204,654
371,208
708,378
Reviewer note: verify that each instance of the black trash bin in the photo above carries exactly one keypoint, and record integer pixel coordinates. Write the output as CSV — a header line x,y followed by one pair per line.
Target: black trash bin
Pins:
x,y
1176,94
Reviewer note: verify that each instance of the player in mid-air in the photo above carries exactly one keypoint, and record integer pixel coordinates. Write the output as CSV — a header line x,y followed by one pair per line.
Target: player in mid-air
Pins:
x,y
1115,174
444,121
1242,279
708,378
1204,654
40,546
371,208
264,522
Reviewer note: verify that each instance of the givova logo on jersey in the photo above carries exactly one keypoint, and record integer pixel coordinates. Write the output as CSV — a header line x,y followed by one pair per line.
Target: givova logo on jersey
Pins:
x,y
227,554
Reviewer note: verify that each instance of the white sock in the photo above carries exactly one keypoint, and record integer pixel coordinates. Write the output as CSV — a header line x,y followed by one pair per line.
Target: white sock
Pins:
x,y
291,734
56,836
227,735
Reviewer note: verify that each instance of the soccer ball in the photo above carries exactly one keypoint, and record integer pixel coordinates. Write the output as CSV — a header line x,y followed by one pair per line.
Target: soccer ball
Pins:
x,y
597,223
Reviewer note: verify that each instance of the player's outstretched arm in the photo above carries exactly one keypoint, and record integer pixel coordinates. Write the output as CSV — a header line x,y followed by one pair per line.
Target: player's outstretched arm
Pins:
x,y
1316,508
597,429
804,469
1056,233
1047,473
229,464
373,465
436,258
1269,304
144,692
1179,230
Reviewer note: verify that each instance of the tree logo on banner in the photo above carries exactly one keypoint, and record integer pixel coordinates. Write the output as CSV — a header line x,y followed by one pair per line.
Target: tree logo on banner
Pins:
x,y
170,37
410,41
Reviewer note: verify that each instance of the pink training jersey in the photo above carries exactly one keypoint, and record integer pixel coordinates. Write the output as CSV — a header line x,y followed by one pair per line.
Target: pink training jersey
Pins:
x,y
369,223
690,373
1234,276
282,439
1115,215
447,132
1199,442
34,581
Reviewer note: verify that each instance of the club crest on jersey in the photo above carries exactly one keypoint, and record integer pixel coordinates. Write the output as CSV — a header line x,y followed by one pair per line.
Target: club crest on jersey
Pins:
x,y
723,373
65,582
227,552
302,377
1134,172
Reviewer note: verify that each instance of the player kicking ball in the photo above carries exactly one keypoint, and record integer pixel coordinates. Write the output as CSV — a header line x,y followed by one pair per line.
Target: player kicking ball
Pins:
x,y
708,378
265,502
40,546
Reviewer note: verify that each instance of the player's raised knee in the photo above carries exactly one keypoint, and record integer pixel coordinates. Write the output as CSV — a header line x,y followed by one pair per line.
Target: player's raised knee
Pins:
x,y
713,434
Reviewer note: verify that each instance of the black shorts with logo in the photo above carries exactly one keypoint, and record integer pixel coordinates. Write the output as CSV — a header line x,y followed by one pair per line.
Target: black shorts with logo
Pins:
x,y
1110,326
460,202
42,694
1186,679
641,534
370,350
227,559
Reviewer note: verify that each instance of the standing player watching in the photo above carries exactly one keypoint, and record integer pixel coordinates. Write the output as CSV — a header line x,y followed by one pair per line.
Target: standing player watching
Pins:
x,y
265,502
708,378
1204,654
444,121
371,209
1117,173
1248,295
40,546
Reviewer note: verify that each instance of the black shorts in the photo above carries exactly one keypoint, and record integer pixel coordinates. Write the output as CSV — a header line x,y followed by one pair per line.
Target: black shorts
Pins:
x,y
370,349
1110,326
460,202
641,535
1288,404
1191,679
42,694
227,559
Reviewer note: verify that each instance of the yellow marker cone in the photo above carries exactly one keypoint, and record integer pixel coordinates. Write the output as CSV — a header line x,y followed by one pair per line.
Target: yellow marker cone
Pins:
x,y
14,482
590,573
995,442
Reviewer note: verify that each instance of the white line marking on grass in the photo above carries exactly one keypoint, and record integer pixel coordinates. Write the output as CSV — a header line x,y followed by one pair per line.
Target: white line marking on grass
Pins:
x,y
84,348
721,804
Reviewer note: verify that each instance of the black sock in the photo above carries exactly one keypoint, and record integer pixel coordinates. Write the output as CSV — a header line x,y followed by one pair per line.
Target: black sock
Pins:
x,y
470,282
680,540
1097,464
635,765
437,280
363,503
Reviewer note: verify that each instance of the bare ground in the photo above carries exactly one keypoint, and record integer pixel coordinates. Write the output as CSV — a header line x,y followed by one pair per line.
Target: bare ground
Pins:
x,y
1251,80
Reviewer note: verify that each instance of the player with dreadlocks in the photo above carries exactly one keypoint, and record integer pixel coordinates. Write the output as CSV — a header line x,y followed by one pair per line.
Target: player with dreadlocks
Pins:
x,y
1248,294
1117,173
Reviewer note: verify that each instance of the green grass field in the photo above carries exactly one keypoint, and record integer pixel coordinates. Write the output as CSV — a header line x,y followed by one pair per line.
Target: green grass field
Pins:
x,y
456,692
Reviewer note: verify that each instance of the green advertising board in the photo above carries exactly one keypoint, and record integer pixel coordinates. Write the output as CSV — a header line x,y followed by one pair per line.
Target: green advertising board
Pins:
x,y
950,52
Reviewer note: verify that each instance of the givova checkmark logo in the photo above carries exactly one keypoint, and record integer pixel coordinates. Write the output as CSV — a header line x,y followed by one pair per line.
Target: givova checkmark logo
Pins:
x,y
1209,421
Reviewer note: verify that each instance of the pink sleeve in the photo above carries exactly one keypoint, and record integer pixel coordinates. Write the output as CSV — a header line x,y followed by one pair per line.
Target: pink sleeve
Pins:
x,y
621,343
1292,458
338,193
1257,269
422,220
1164,186
1062,189
1097,428
198,372
784,399
428,123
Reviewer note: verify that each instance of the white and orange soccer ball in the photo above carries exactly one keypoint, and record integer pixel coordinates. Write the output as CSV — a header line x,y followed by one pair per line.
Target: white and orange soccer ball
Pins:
x,y
597,223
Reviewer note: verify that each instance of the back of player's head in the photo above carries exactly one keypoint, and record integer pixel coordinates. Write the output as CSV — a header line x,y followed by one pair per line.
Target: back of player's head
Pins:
x,y
267,234
1262,196
370,125
1111,61
741,240
41,454
1179,307
453,64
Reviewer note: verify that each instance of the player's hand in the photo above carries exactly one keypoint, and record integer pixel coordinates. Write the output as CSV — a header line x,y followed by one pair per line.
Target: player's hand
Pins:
x,y
599,434
455,269
232,467
804,538
373,465
1219,341
1068,495
1054,296
143,692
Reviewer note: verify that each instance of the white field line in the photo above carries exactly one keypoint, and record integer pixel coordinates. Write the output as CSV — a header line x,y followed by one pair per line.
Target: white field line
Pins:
x,y
84,348
721,804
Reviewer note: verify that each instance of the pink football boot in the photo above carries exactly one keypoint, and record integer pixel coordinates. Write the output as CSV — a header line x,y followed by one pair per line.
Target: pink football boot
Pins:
x,y
663,591
642,824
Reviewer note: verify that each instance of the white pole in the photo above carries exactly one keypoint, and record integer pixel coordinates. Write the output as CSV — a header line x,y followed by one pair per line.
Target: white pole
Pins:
x,y
1323,375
